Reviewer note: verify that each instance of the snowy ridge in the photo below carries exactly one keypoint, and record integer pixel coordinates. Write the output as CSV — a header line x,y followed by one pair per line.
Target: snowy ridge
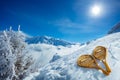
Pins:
x,y
66,68
48,40
116,28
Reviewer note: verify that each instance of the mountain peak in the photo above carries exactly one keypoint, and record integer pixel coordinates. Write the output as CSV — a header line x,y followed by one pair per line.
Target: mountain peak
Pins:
x,y
48,40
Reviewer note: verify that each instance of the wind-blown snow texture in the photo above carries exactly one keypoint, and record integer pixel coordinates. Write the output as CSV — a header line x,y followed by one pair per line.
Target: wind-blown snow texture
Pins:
x,y
66,68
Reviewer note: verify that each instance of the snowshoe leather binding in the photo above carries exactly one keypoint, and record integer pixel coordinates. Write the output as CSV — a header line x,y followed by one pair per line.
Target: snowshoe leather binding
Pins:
x,y
89,61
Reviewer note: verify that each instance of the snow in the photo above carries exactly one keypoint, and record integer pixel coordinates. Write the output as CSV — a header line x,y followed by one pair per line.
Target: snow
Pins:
x,y
6,58
55,57
53,62
48,40
14,60
43,53
66,68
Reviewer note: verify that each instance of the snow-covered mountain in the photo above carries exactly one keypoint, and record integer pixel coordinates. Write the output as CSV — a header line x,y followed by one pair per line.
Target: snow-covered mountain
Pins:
x,y
115,28
48,40
66,67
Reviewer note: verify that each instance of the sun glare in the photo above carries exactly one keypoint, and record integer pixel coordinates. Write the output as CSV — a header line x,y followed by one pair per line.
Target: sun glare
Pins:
x,y
96,10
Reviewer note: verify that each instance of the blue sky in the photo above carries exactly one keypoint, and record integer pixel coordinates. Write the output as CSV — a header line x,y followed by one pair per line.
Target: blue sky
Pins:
x,y
66,19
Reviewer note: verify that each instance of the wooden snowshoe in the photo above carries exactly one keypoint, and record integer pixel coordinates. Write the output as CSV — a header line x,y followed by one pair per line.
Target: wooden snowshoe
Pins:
x,y
100,53
88,61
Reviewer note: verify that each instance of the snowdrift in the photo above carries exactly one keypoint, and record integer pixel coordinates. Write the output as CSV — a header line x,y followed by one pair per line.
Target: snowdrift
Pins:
x,y
66,68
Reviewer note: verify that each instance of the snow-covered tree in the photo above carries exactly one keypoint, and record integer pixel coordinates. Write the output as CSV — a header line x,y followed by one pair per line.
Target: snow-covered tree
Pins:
x,y
14,58
22,59
6,58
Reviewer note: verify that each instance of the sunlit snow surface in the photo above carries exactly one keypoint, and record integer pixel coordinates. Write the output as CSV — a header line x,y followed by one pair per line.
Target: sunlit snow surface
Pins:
x,y
67,69
43,53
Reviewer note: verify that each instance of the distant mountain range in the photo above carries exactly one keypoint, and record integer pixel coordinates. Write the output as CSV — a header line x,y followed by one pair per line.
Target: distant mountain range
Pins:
x,y
48,40
115,28
57,42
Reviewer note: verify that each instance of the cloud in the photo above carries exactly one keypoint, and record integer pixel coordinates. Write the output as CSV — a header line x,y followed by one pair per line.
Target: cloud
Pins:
x,y
70,27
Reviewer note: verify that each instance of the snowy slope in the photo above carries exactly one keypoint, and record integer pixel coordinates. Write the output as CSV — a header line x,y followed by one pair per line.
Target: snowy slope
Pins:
x,y
43,53
67,69
48,40
115,28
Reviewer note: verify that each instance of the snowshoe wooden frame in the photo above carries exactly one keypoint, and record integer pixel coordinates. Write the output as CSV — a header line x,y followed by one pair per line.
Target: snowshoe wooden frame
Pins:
x,y
89,61
100,53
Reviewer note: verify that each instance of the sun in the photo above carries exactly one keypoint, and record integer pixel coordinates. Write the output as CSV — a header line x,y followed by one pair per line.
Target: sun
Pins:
x,y
96,10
